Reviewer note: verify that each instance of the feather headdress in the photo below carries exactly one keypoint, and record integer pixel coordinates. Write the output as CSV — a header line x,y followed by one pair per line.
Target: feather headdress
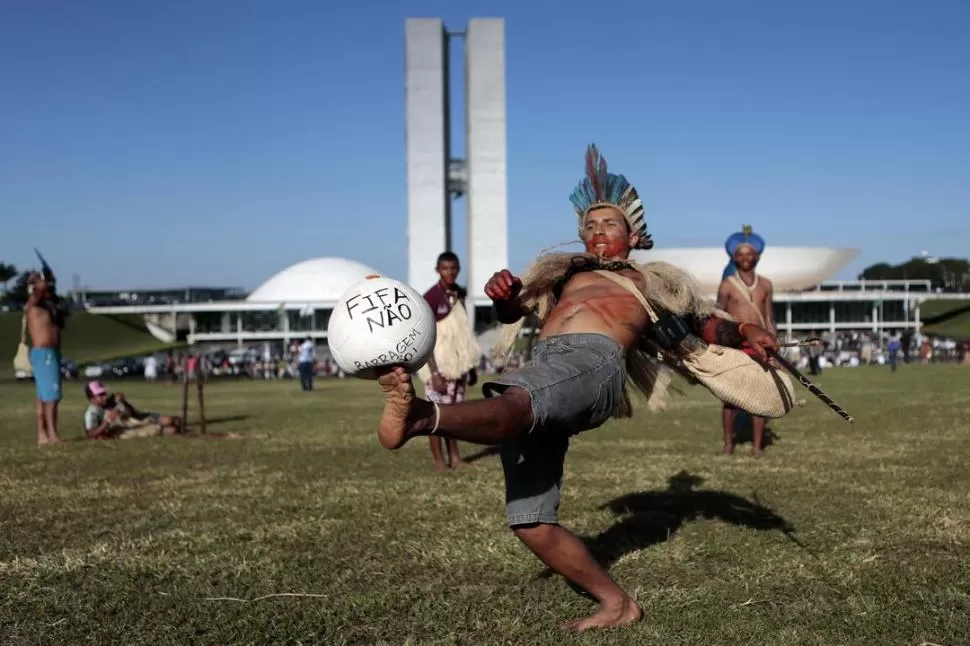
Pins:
x,y
601,188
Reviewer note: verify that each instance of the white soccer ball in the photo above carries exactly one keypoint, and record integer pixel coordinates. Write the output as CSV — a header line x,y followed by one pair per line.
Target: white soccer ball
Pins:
x,y
381,322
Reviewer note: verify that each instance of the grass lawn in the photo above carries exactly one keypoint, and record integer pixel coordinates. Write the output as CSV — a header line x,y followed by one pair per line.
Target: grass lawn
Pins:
x,y
947,318
89,338
956,326
841,535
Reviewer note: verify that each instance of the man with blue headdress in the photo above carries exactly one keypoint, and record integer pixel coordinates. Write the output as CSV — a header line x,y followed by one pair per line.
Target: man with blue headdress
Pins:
x,y
746,296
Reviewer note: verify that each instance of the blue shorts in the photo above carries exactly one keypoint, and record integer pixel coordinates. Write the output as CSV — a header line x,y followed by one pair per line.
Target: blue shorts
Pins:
x,y
45,363
576,382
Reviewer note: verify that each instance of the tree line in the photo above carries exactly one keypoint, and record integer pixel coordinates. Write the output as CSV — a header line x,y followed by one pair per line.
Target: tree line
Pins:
x,y
948,274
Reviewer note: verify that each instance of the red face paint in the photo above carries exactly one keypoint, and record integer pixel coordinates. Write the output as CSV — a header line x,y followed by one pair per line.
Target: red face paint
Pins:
x,y
606,233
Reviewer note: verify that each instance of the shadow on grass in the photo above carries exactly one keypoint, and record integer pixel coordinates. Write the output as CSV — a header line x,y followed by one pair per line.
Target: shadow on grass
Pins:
x,y
484,453
651,517
223,420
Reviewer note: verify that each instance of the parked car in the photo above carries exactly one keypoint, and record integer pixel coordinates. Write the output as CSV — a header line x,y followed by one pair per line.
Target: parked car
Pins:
x,y
128,367
69,369
93,370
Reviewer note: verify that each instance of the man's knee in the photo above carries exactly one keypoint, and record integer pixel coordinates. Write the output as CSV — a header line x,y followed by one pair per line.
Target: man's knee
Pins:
x,y
517,405
535,535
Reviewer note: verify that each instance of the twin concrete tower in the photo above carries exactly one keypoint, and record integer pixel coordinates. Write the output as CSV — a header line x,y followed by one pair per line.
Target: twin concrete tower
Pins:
x,y
434,175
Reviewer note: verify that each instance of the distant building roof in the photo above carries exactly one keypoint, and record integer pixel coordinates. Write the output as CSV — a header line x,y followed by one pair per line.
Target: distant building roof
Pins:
x,y
790,269
310,281
153,295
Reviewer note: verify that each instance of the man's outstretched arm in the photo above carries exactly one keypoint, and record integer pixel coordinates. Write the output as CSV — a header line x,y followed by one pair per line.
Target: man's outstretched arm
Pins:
x,y
720,331
736,335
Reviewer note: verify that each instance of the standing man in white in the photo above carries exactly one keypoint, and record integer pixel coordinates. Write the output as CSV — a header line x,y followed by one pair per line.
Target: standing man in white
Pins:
x,y
151,368
308,356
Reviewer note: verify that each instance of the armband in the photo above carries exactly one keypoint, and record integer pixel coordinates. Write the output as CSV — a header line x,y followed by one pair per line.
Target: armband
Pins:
x,y
670,330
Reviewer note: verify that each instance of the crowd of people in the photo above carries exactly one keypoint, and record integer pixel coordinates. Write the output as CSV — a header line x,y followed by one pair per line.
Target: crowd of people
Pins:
x,y
852,349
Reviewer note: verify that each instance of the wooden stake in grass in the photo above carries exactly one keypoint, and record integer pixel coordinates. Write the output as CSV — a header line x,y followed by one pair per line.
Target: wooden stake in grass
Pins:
x,y
185,398
200,393
200,381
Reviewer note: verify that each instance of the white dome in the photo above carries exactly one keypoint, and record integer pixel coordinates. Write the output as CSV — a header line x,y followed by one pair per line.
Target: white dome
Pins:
x,y
790,269
312,281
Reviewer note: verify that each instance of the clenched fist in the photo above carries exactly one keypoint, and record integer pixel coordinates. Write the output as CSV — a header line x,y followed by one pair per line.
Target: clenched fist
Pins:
x,y
503,286
760,340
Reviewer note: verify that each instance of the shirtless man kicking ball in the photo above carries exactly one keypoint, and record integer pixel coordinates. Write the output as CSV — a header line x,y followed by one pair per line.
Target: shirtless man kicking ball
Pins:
x,y
574,383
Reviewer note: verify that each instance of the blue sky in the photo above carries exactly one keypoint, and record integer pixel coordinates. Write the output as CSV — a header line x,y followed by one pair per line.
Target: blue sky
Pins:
x,y
165,143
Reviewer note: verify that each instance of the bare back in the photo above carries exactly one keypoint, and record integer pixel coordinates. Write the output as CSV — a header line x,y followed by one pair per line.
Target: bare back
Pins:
x,y
44,333
593,304
757,310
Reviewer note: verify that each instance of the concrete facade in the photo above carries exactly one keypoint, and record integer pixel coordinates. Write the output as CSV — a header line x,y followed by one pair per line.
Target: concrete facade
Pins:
x,y
485,128
482,177
427,144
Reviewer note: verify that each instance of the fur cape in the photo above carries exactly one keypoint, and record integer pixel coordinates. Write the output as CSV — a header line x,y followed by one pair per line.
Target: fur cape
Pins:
x,y
729,374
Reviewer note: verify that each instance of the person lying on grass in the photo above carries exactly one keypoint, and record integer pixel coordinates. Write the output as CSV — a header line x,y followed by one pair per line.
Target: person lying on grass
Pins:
x,y
598,323
111,416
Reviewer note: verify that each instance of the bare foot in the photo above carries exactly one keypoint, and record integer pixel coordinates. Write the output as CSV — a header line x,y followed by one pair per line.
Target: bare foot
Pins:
x,y
397,420
728,449
627,613
758,452
457,462
440,467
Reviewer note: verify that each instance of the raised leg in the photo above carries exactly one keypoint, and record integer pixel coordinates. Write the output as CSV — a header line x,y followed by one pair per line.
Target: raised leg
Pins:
x,y
562,551
489,421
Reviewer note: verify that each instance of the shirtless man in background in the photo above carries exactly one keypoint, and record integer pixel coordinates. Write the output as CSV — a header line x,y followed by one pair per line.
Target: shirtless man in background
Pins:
x,y
574,383
45,320
747,296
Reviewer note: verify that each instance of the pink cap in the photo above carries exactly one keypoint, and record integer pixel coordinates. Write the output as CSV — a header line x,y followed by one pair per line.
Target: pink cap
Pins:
x,y
96,388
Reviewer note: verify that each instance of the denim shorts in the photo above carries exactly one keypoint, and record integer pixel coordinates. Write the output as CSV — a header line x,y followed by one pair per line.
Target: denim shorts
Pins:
x,y
575,382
